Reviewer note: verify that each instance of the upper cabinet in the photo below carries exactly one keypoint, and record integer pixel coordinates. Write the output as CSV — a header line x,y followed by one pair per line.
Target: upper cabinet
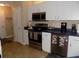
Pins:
x,y
57,10
24,12
67,10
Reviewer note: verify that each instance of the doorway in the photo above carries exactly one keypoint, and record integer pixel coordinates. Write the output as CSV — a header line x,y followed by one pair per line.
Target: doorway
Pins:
x,y
6,24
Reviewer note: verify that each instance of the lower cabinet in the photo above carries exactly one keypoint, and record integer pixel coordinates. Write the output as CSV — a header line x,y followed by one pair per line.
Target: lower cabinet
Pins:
x,y
73,46
26,40
46,42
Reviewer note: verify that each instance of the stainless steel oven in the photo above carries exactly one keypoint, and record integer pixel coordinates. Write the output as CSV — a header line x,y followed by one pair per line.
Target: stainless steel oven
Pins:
x,y
35,39
35,35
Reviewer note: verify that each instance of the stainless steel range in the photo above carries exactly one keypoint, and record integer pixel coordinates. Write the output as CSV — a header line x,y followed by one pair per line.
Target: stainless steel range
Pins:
x,y
40,27
35,35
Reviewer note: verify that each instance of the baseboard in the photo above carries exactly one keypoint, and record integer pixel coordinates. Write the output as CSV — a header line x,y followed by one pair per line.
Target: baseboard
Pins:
x,y
24,43
10,36
21,42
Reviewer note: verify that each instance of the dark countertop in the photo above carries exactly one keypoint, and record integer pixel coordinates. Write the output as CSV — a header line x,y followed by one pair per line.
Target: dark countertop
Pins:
x,y
55,31
58,31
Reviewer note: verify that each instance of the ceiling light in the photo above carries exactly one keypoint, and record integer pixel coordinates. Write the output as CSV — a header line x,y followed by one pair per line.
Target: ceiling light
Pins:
x,y
2,4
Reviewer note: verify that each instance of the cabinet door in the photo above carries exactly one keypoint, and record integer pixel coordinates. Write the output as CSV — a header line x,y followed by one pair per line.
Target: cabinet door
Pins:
x,y
67,10
30,11
26,41
73,46
50,9
46,42
18,29
60,10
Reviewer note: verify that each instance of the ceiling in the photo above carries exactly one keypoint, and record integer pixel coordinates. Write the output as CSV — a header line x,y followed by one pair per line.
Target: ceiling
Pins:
x,y
12,3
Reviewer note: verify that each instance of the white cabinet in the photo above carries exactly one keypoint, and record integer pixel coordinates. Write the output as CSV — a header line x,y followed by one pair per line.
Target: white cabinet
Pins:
x,y
60,10
18,28
50,9
73,46
46,42
67,10
57,10
26,40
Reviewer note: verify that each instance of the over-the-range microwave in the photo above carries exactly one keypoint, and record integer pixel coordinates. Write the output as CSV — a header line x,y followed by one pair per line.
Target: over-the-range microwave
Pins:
x,y
39,16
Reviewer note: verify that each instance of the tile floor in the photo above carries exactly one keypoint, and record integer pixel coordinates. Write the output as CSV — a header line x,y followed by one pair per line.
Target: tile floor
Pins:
x,y
16,50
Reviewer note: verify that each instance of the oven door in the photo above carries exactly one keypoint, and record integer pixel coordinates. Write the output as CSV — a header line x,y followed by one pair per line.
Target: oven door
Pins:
x,y
35,36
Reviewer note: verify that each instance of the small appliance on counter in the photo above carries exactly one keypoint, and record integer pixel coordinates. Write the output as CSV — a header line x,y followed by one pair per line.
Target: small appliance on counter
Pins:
x,y
74,30
63,27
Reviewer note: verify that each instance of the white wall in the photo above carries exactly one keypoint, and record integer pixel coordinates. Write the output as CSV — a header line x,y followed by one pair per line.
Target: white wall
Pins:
x,y
2,23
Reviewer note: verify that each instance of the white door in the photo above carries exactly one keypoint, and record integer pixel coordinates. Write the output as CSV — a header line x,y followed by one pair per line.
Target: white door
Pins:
x,y
18,30
2,23
73,46
46,42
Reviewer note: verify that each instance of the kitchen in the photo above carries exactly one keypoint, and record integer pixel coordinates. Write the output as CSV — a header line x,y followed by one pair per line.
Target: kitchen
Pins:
x,y
51,27
52,34
61,12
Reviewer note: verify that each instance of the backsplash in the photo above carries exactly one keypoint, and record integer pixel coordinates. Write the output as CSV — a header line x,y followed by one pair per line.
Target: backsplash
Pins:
x,y
57,23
